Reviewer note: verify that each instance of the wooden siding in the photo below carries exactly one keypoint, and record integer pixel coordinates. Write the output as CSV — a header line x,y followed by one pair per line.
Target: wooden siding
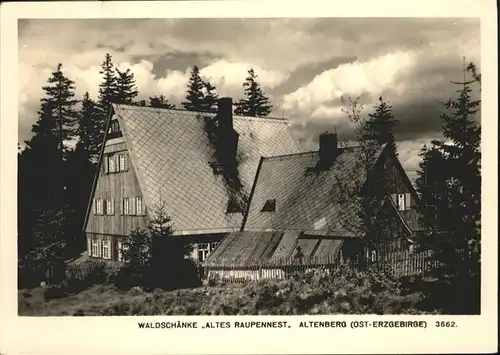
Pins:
x,y
399,184
116,186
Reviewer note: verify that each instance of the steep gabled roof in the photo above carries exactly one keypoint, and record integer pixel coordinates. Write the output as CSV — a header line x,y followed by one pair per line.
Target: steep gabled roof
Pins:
x,y
171,153
305,200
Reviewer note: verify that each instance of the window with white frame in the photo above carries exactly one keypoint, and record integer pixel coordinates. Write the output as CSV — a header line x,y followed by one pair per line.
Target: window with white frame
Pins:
x,y
110,206
138,206
203,250
95,247
121,248
98,206
106,249
126,206
112,164
401,202
121,164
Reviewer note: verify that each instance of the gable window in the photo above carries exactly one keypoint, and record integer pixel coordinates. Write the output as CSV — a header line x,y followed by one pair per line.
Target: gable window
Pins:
x,y
95,248
116,163
213,245
138,209
121,159
110,207
98,206
269,206
203,250
402,201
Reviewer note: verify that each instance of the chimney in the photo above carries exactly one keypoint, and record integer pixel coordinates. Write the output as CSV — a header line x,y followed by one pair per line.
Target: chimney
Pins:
x,y
327,149
228,136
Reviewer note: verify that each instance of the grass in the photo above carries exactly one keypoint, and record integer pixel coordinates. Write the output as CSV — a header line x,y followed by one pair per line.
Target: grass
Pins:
x,y
343,293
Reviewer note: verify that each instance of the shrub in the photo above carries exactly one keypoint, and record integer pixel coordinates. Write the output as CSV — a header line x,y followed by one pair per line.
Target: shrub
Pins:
x,y
89,273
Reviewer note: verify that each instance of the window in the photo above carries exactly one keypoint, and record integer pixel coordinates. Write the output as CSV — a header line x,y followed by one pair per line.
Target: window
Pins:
x,y
269,206
106,246
121,248
126,206
98,206
203,250
403,201
110,207
138,210
111,164
95,248
116,163
121,165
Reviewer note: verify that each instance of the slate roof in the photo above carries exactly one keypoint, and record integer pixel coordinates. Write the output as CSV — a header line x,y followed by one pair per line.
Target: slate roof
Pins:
x,y
170,152
252,248
304,201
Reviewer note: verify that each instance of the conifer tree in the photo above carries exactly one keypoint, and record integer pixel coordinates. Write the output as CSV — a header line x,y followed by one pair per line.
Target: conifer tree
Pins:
x,y
126,89
210,98
380,125
160,102
90,129
449,182
107,88
59,96
194,96
256,103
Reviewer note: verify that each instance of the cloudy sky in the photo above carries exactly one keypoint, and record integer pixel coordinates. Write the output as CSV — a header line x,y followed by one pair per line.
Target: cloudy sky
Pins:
x,y
304,65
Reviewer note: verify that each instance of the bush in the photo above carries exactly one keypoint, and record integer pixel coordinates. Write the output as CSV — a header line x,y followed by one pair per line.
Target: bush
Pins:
x,y
89,273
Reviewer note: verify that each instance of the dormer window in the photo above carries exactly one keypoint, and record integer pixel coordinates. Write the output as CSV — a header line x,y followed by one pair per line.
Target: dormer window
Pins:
x,y
269,206
114,129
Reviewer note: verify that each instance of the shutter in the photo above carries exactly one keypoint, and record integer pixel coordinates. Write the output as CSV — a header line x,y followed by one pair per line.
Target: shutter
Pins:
x,y
94,205
111,206
89,246
117,162
121,206
125,158
407,201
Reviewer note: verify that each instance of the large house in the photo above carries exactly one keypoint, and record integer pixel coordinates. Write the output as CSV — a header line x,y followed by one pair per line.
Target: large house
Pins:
x,y
199,166
297,203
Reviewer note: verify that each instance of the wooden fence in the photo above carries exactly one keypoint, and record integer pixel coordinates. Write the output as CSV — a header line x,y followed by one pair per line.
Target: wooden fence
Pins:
x,y
398,264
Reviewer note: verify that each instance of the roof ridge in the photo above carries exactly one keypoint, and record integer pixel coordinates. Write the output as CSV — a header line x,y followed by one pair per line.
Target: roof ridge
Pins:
x,y
149,108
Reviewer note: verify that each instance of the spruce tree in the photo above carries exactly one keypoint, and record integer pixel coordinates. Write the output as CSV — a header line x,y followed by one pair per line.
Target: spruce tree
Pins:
x,y
256,103
449,182
209,103
90,129
107,88
59,96
194,96
160,102
380,125
126,89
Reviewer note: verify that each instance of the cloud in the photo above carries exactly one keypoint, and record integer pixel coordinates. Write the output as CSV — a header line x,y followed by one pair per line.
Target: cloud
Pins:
x,y
378,75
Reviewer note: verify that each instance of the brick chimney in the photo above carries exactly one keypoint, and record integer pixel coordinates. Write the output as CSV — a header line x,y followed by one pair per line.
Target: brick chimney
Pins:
x,y
229,137
327,149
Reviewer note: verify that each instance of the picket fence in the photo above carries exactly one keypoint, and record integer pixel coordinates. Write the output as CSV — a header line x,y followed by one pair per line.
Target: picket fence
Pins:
x,y
398,264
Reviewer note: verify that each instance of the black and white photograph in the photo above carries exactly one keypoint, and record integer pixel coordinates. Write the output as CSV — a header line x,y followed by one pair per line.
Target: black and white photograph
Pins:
x,y
250,166
174,175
